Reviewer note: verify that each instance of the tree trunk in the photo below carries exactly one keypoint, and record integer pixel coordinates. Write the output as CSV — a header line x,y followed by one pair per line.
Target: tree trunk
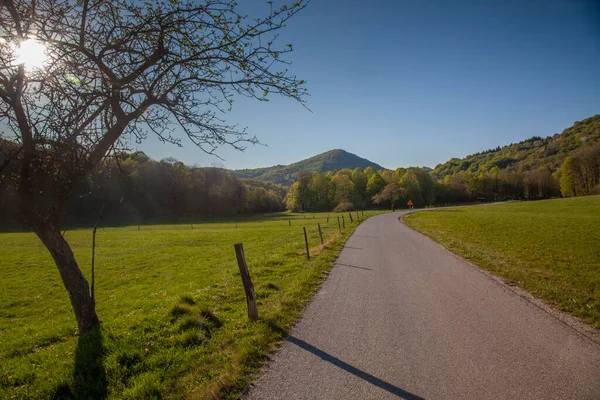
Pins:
x,y
75,283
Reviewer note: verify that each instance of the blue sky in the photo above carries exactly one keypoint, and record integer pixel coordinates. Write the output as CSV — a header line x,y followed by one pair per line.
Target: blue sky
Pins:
x,y
415,83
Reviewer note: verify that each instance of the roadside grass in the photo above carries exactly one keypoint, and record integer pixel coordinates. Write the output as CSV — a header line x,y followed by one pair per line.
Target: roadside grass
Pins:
x,y
172,305
550,248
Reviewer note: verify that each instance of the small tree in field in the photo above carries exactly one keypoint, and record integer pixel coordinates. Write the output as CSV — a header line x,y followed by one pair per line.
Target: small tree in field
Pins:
x,y
78,75
391,193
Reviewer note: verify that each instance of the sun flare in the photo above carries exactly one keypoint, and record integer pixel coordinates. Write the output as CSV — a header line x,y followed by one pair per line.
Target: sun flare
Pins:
x,y
31,53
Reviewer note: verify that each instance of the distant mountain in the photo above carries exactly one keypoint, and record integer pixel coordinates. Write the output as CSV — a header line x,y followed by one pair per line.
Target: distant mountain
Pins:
x,y
528,154
332,160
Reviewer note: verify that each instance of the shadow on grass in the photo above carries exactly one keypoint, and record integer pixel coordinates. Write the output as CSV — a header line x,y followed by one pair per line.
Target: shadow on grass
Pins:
x,y
395,390
89,376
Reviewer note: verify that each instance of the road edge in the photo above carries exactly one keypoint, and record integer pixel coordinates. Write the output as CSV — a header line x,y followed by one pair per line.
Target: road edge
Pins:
x,y
266,363
582,328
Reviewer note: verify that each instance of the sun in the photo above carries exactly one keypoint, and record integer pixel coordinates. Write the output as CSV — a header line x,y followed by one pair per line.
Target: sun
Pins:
x,y
31,53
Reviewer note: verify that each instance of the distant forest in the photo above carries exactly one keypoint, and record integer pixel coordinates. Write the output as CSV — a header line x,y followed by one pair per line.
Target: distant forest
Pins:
x,y
134,188
131,187
357,189
566,164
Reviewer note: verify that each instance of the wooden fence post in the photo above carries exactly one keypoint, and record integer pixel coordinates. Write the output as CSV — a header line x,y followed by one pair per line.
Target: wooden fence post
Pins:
x,y
350,215
357,217
306,243
248,287
289,222
339,226
343,222
363,213
320,233
138,227
327,219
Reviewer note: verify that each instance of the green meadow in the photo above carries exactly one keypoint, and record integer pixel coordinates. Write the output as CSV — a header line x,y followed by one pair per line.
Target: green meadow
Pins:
x,y
172,305
550,248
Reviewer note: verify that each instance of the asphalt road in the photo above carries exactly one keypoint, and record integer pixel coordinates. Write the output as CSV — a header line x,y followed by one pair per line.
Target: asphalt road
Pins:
x,y
400,317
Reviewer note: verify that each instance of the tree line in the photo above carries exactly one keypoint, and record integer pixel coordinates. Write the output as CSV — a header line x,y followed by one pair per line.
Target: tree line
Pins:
x,y
134,188
347,189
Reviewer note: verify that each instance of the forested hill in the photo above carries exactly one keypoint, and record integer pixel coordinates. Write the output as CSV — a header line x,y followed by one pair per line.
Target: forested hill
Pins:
x,y
566,164
528,154
332,160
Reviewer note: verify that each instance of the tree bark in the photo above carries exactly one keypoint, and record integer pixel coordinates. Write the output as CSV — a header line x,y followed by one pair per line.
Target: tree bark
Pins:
x,y
75,283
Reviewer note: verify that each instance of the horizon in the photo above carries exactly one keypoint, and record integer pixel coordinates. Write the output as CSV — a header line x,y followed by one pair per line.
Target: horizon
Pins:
x,y
405,84
219,165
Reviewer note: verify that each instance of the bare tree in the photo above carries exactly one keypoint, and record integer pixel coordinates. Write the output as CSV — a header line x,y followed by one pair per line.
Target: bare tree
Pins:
x,y
115,68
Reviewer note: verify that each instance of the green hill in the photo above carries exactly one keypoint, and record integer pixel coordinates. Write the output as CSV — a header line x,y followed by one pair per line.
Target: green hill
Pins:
x,y
332,160
528,154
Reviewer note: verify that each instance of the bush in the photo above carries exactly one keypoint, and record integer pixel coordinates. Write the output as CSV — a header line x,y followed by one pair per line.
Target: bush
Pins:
x,y
344,206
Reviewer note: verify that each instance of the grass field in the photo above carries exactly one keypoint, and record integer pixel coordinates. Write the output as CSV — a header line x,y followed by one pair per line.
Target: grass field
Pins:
x,y
551,248
171,302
